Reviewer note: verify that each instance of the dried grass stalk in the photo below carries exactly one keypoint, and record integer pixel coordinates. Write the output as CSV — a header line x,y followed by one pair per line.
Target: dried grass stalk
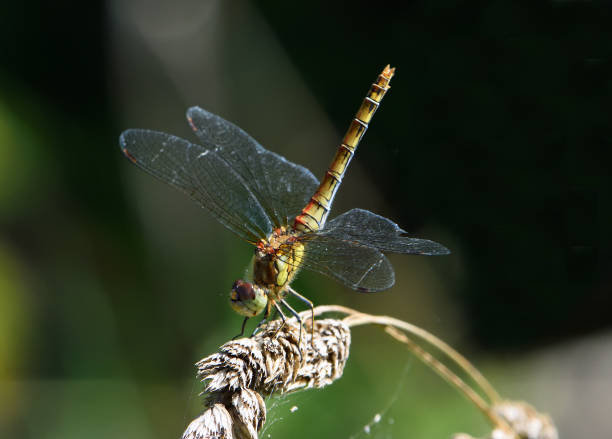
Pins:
x,y
525,423
275,360
510,420
215,422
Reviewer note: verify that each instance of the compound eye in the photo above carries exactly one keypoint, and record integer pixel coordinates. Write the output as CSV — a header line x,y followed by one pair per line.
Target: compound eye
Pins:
x,y
244,291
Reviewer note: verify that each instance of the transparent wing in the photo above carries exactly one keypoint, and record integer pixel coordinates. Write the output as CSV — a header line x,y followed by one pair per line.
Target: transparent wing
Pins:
x,y
201,173
359,267
367,228
282,188
350,249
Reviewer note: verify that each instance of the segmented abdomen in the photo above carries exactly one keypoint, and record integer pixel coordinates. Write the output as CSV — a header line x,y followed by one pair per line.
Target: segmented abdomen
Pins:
x,y
315,213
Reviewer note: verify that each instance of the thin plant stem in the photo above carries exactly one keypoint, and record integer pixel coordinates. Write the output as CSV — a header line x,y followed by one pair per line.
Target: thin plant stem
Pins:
x,y
356,318
447,375
392,326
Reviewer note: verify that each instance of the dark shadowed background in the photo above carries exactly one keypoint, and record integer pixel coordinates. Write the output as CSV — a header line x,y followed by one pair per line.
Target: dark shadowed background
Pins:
x,y
494,140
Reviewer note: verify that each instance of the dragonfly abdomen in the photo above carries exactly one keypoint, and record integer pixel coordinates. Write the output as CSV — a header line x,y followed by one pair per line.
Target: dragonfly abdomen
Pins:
x,y
315,213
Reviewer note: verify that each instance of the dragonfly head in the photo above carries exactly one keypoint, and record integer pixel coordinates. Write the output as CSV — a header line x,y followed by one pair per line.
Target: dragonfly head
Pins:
x,y
247,299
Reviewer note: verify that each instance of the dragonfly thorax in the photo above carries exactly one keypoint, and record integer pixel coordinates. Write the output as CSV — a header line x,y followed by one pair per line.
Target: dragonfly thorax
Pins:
x,y
277,259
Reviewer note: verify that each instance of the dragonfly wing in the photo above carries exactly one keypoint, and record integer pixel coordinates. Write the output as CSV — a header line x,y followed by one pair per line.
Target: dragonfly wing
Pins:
x,y
350,249
367,228
282,187
357,266
202,174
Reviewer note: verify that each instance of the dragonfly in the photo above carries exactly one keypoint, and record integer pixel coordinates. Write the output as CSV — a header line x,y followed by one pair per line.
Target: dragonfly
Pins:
x,y
279,207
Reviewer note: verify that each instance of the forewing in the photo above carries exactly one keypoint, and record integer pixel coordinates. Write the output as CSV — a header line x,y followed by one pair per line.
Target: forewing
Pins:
x,y
359,267
367,228
201,173
282,187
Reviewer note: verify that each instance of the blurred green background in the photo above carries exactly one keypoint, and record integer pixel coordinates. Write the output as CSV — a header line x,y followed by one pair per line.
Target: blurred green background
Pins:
x,y
494,140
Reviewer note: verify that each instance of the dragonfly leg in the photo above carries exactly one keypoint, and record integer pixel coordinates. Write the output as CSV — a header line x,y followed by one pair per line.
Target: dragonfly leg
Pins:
x,y
299,319
296,315
241,329
282,316
259,325
310,305
264,320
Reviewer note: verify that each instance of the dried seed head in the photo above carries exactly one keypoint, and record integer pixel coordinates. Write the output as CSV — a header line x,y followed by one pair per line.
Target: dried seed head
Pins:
x,y
248,410
525,423
276,360
216,422
498,433
270,362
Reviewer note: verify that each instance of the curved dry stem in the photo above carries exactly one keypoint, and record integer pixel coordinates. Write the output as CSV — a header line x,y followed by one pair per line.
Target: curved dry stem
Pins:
x,y
356,318
447,375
